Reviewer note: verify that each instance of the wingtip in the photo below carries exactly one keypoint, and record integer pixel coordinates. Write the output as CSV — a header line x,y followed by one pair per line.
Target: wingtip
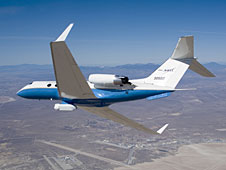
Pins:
x,y
162,129
64,35
187,36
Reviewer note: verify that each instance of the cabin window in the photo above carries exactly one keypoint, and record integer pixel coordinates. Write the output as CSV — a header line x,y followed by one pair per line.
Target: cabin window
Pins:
x,y
48,85
55,85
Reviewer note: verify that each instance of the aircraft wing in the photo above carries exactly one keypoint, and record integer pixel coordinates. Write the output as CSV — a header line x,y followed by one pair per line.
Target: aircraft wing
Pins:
x,y
108,113
70,80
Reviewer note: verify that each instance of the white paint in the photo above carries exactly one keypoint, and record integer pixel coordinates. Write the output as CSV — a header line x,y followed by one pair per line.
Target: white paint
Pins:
x,y
64,107
64,35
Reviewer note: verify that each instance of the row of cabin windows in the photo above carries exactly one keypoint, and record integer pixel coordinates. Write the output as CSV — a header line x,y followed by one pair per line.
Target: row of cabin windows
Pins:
x,y
49,85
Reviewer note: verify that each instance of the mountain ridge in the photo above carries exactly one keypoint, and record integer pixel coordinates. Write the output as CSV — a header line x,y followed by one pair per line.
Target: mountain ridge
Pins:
x,y
137,65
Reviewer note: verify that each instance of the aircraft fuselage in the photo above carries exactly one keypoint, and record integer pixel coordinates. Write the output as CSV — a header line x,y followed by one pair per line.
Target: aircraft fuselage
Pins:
x,y
48,90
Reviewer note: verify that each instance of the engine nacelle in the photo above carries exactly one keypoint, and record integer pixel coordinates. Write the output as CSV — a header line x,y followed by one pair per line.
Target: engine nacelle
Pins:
x,y
64,107
108,80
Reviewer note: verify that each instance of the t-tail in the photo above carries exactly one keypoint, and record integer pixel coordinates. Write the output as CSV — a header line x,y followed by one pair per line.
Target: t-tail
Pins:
x,y
170,73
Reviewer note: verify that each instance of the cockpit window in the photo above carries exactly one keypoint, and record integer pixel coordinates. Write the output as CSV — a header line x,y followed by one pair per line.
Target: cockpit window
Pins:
x,y
55,85
48,85
31,83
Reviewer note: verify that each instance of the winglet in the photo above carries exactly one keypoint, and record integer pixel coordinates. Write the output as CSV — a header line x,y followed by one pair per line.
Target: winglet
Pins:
x,y
162,129
64,35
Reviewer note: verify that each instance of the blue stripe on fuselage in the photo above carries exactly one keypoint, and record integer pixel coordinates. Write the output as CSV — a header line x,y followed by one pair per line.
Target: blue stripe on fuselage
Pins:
x,y
39,93
104,96
125,95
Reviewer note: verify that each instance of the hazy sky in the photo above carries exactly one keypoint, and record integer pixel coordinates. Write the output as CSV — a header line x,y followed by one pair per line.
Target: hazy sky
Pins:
x,y
111,32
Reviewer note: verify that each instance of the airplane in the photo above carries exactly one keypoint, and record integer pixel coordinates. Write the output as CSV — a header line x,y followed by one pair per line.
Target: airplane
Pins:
x,y
102,90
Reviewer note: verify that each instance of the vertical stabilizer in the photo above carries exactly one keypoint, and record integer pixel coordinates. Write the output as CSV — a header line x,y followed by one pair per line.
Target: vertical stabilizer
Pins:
x,y
184,48
170,73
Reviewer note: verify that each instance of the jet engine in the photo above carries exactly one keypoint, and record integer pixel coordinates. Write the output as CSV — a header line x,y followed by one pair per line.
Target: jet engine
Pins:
x,y
108,80
64,107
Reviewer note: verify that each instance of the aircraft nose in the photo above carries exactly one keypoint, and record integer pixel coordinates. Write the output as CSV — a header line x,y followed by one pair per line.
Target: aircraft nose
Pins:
x,y
22,93
19,93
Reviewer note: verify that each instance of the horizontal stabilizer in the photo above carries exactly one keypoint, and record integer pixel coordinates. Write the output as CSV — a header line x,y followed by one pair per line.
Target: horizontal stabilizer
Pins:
x,y
158,96
185,89
200,69
110,114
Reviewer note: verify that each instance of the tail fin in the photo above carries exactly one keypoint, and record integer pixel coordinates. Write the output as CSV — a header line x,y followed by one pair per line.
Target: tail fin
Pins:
x,y
170,73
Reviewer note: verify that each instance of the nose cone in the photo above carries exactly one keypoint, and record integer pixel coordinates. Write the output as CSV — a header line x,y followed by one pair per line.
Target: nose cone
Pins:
x,y
25,92
20,93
